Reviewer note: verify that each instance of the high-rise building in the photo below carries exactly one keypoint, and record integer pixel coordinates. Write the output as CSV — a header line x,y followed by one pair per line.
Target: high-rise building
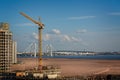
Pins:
x,y
5,47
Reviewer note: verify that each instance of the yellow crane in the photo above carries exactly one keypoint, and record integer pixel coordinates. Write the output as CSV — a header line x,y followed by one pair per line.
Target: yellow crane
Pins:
x,y
41,26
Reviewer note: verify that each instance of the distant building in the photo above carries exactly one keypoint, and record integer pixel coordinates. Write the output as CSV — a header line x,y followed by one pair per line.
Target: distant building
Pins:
x,y
6,48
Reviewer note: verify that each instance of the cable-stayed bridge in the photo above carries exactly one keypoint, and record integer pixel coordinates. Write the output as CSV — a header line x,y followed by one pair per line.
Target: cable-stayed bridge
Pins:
x,y
31,50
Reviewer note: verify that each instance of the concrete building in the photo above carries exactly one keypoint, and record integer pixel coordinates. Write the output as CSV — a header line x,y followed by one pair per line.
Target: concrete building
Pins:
x,y
14,52
5,47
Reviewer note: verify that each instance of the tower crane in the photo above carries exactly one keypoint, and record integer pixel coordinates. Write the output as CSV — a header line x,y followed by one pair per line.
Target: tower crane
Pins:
x,y
40,27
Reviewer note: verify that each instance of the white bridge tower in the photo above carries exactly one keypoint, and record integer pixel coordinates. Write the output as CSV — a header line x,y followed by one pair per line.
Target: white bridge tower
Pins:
x,y
49,50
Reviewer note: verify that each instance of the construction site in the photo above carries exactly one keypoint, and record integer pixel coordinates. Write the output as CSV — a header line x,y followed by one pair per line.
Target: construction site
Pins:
x,y
7,49
49,69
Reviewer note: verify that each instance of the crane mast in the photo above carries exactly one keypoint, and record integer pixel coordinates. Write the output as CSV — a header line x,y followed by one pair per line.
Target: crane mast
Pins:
x,y
41,26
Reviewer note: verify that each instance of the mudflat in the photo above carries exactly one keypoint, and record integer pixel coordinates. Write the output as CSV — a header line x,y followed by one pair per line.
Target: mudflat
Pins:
x,y
71,67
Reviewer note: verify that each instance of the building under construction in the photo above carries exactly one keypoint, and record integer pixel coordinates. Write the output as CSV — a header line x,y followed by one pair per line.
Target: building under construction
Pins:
x,y
6,48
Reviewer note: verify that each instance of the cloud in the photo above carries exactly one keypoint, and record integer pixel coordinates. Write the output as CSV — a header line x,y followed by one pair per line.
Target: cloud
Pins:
x,y
60,37
46,37
66,38
82,31
55,31
70,38
115,13
75,39
35,35
25,24
81,17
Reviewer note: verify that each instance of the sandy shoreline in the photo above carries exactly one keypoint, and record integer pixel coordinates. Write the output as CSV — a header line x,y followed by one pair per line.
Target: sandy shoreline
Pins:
x,y
73,66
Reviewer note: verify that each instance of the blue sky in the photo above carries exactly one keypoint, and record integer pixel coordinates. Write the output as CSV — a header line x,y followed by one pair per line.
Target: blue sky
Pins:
x,y
92,25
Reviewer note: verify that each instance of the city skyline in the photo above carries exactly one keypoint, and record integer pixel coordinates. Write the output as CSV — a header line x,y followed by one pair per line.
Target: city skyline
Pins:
x,y
69,24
